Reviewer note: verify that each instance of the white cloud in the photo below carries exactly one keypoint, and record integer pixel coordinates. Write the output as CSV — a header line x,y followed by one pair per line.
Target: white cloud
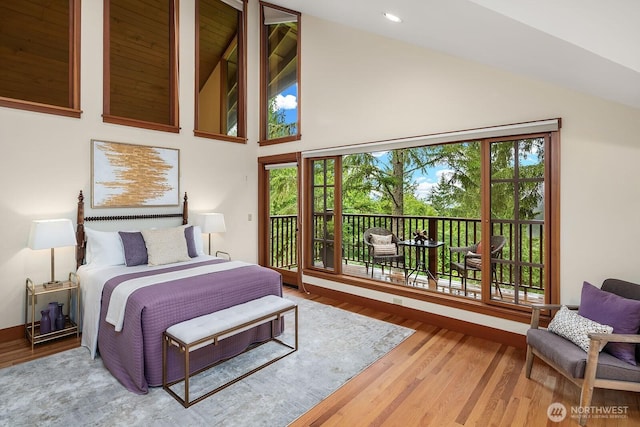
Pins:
x,y
425,184
288,102
424,187
447,173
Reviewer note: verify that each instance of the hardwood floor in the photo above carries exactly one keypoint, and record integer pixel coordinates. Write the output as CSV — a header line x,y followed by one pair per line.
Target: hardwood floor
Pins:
x,y
438,377
435,377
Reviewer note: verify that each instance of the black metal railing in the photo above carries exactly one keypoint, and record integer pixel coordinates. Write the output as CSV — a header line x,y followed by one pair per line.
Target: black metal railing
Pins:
x,y
283,244
524,242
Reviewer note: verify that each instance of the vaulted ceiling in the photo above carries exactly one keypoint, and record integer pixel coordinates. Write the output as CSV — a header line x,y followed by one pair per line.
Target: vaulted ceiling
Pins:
x,y
587,45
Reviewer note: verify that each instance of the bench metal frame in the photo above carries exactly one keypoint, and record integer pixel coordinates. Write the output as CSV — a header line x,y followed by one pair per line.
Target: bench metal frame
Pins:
x,y
169,340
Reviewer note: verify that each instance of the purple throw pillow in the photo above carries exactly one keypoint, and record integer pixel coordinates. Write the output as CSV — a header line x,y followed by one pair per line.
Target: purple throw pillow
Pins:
x,y
622,314
135,251
191,242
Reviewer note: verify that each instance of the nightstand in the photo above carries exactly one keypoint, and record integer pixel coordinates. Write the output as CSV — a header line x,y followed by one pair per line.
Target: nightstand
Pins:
x,y
32,327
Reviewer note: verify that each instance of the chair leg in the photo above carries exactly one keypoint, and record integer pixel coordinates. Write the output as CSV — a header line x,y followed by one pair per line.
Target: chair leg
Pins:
x,y
589,378
529,362
495,280
464,281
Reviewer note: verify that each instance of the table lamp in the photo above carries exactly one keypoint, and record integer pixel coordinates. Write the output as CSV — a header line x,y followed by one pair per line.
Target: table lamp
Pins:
x,y
51,234
212,223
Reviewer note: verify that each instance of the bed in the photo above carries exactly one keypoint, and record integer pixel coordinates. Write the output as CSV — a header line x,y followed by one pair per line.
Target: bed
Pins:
x,y
128,304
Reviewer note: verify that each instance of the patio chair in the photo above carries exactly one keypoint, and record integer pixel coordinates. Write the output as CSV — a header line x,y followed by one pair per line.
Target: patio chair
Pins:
x,y
472,261
385,252
615,304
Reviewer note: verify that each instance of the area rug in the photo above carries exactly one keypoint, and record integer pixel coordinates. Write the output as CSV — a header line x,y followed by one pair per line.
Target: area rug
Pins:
x,y
71,389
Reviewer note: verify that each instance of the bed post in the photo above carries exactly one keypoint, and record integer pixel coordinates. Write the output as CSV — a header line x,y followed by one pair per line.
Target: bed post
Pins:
x,y
185,210
80,249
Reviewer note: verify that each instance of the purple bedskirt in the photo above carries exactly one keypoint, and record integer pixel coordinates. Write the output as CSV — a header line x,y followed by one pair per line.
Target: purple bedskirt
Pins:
x,y
134,355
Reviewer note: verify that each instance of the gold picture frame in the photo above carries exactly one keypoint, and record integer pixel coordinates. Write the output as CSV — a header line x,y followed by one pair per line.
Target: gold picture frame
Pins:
x,y
129,175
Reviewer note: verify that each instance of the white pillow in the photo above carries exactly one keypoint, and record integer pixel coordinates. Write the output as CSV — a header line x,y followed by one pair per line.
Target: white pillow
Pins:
x,y
570,325
166,245
377,239
385,249
103,248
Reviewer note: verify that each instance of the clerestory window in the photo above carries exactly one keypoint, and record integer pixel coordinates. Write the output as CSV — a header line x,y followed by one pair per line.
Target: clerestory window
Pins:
x,y
279,75
220,70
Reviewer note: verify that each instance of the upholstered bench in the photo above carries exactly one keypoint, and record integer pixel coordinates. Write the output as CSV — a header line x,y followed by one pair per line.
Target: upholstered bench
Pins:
x,y
206,330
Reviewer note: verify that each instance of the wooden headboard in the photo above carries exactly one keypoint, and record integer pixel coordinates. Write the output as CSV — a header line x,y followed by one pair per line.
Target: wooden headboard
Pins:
x,y
80,236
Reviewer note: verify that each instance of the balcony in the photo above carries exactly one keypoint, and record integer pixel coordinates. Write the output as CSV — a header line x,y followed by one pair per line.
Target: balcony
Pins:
x,y
518,278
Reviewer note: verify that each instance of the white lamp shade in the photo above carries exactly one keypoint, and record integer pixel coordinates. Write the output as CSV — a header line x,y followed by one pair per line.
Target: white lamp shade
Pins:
x,y
212,223
51,233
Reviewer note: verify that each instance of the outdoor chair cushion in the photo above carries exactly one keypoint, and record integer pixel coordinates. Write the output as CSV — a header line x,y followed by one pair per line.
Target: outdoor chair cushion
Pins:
x,y
385,249
377,239
473,260
573,359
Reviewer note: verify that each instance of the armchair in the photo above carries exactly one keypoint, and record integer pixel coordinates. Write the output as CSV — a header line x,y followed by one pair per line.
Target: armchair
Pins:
x,y
385,253
472,260
590,369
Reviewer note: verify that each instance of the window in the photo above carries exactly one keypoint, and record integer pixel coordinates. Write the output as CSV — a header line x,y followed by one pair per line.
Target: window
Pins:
x,y
279,75
469,195
140,64
39,56
220,70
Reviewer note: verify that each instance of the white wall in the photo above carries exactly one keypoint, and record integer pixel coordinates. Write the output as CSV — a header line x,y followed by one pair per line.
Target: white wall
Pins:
x,y
358,87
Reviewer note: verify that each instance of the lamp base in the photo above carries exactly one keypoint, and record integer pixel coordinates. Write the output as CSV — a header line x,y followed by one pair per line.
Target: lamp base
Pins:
x,y
53,284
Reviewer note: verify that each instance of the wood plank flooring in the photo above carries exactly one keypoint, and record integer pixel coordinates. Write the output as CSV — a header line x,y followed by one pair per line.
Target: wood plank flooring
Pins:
x,y
435,377
438,377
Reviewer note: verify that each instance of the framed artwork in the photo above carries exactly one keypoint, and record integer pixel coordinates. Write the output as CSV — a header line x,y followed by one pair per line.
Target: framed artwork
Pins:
x,y
129,175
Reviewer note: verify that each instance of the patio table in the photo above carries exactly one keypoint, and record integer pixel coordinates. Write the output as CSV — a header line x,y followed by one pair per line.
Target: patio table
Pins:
x,y
421,248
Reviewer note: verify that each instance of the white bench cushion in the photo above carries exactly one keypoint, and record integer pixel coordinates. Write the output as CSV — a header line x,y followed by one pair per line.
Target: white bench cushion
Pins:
x,y
212,324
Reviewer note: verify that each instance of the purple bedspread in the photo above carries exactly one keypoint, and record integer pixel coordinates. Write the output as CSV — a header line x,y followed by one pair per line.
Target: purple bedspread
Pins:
x,y
134,355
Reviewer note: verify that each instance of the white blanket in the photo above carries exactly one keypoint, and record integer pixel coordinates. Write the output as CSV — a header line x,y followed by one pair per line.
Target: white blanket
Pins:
x,y
120,295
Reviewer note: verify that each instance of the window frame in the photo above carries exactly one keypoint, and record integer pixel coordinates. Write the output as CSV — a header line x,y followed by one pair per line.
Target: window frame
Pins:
x,y
264,62
485,306
73,110
242,81
107,117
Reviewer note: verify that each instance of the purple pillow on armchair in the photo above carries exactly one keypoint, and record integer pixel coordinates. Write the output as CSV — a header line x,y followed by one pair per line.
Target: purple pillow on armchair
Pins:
x,y
622,314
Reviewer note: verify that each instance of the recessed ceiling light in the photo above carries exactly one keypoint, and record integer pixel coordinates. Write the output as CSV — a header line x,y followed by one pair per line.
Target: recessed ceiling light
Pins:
x,y
392,17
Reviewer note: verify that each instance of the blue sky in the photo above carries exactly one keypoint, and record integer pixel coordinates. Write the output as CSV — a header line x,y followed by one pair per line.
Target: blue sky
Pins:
x,y
287,100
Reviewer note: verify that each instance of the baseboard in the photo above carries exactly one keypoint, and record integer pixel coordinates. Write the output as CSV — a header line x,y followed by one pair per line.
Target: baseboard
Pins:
x,y
473,329
11,334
